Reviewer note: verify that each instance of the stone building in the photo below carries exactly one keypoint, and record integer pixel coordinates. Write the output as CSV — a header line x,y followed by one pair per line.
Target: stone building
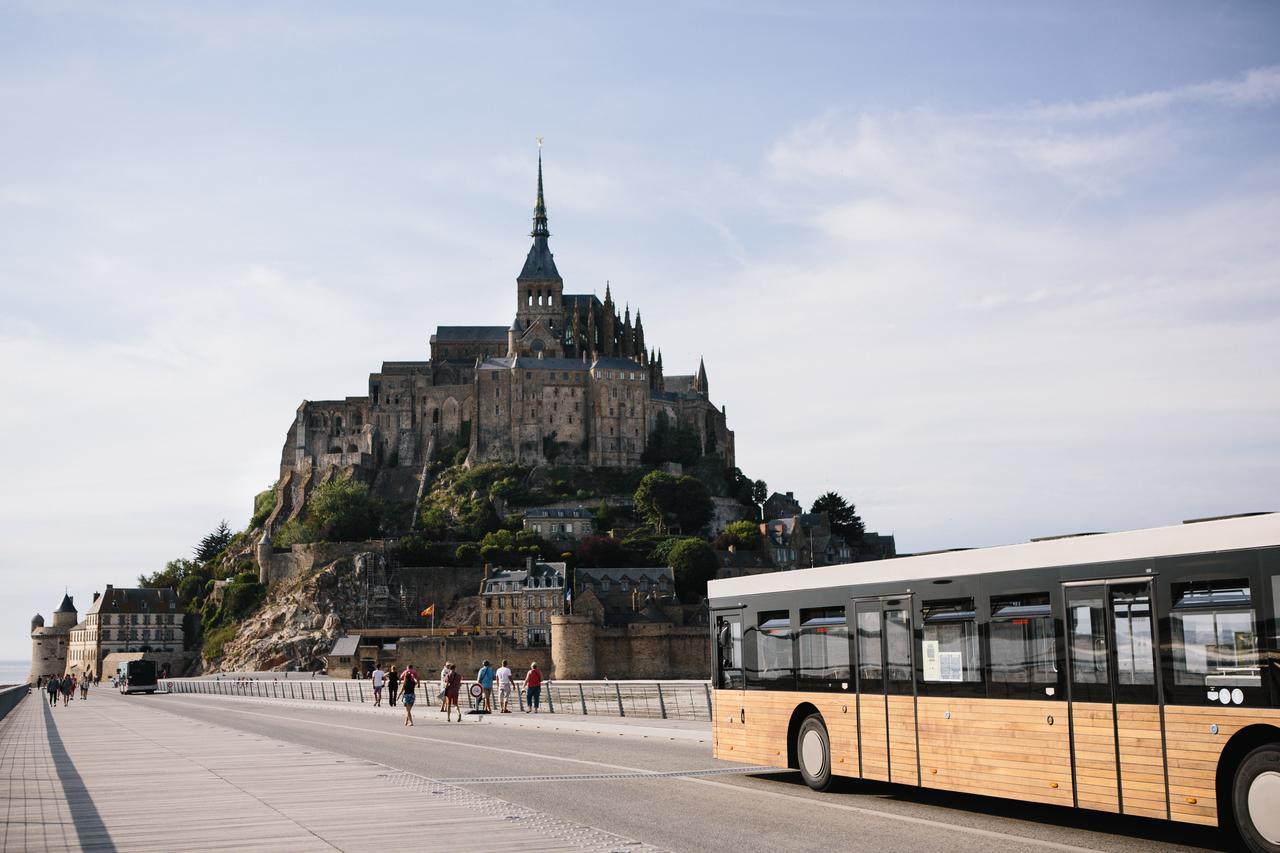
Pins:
x,y
780,505
559,525
121,621
804,541
519,603
622,590
50,644
569,380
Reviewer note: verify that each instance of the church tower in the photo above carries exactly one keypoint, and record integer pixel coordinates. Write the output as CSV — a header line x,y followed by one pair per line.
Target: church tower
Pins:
x,y
539,288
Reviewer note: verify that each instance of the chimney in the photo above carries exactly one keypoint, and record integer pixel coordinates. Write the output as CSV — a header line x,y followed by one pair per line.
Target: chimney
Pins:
x,y
791,495
528,564
96,596
486,571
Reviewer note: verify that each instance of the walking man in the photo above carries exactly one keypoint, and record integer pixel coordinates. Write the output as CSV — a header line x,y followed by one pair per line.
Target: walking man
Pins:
x,y
84,687
504,686
378,677
393,684
68,685
52,686
408,686
485,679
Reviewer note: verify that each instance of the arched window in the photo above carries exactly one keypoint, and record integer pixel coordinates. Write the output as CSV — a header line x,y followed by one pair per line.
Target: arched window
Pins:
x,y
359,420
435,416
337,423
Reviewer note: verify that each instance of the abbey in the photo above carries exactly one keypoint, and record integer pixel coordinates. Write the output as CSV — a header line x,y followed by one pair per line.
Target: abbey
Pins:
x,y
568,381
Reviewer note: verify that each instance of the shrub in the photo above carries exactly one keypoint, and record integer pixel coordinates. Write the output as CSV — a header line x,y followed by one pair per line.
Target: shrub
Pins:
x,y
215,640
241,599
263,504
468,554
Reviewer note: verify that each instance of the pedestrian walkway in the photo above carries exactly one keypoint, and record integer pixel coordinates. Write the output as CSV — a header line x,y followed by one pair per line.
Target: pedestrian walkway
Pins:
x,y
642,727
120,773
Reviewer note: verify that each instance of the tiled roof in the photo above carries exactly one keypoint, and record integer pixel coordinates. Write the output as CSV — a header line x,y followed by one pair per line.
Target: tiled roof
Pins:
x,y
553,512
346,646
121,600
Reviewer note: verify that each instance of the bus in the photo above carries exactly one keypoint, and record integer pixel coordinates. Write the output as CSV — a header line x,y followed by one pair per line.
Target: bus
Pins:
x,y
1134,673
137,676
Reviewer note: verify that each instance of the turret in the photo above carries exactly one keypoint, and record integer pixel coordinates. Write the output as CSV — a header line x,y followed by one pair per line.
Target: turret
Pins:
x,y
539,288
700,381
65,615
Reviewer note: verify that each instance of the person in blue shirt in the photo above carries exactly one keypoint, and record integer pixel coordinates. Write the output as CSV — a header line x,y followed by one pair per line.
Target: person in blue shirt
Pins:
x,y
485,679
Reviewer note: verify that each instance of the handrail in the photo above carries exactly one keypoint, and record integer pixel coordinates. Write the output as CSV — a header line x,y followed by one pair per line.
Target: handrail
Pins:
x,y
11,696
665,700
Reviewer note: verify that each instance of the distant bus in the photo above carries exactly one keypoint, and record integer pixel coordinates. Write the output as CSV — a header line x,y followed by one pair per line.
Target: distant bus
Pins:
x,y
1136,673
137,676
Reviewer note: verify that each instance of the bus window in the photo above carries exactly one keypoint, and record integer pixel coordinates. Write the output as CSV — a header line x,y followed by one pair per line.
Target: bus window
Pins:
x,y
773,651
1131,611
824,649
897,646
1214,642
1023,646
949,644
729,651
1087,642
869,664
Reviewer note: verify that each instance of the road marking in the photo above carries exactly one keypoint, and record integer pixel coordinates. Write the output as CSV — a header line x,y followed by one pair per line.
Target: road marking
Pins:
x,y
736,789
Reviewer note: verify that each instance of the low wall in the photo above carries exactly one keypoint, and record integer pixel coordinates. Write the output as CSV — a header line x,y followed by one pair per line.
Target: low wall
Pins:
x,y
10,697
645,651
428,655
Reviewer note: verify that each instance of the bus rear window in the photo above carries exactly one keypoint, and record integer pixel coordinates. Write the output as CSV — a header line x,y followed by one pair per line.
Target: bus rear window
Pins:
x,y
824,649
1214,640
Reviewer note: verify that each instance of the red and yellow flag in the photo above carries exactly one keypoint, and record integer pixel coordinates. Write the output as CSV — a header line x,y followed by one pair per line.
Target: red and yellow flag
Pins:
x,y
430,611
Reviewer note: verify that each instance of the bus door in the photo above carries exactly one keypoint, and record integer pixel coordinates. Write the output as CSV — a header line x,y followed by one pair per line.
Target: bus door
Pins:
x,y
886,690
1117,736
728,650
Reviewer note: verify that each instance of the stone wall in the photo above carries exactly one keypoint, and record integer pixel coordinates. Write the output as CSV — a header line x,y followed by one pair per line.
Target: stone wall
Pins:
x,y
642,650
301,559
439,585
428,655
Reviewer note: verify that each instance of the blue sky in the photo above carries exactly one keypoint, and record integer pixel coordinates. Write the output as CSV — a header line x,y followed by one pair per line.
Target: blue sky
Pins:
x,y
991,270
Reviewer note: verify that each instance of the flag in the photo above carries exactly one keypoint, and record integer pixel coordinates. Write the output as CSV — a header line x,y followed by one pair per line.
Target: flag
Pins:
x,y
430,611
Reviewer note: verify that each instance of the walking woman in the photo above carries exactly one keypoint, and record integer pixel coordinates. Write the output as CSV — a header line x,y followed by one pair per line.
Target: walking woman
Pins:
x,y
408,686
68,685
533,688
451,692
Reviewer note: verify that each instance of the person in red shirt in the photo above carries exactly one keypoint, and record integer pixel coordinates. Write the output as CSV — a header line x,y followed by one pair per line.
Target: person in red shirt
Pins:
x,y
533,688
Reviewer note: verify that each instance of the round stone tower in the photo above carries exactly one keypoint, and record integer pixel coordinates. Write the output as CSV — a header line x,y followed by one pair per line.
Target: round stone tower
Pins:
x,y
573,647
49,644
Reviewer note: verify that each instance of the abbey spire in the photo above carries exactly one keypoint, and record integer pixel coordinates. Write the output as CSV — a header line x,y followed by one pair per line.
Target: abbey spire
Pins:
x,y
539,265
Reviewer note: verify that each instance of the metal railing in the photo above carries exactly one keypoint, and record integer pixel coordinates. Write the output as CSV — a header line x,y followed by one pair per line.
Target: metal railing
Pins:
x,y
655,700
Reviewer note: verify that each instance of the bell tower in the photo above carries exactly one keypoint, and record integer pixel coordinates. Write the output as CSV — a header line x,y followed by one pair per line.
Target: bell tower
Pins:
x,y
539,288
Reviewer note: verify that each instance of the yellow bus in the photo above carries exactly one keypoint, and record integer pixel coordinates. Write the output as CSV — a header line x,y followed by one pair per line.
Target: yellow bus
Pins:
x,y
1133,673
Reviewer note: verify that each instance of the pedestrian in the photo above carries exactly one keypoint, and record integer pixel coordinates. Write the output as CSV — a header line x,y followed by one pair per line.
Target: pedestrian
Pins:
x,y
444,687
408,686
533,688
355,673
393,684
84,687
68,685
378,677
451,692
485,679
504,686
52,686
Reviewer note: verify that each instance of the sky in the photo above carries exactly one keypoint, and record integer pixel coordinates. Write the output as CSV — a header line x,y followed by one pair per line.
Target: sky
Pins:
x,y
990,270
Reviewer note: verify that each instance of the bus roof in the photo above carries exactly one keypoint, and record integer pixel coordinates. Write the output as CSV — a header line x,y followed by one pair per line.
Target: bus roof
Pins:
x,y
1230,534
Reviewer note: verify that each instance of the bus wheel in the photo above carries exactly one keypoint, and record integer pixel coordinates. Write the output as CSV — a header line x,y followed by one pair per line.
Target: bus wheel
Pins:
x,y
813,753
1255,796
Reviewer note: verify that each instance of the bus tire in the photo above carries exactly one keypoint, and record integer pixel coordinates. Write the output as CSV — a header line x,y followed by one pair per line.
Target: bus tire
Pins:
x,y
813,752
1255,798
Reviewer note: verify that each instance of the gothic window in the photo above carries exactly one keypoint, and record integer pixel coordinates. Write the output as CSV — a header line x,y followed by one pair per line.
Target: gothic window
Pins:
x,y
359,420
435,416
497,411
528,297
337,423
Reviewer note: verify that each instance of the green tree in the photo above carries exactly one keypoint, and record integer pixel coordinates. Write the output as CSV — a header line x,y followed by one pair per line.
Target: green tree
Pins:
x,y
343,511
212,545
655,500
508,548
693,508
759,494
844,518
171,576
263,504
694,563
467,554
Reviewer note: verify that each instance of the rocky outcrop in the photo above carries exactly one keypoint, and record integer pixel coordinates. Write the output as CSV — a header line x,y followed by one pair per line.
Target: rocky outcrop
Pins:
x,y
301,618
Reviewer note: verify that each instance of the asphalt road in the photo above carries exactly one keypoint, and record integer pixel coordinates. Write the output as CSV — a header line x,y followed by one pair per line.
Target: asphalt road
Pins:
x,y
593,779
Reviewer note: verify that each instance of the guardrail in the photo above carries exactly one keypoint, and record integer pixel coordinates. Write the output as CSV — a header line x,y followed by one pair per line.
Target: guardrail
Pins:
x,y
10,697
664,700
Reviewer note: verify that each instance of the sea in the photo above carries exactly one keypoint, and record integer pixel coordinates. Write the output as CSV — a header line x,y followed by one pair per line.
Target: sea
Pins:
x,y
14,671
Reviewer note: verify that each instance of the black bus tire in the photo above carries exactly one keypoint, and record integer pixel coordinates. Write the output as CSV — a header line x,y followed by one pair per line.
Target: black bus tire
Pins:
x,y
813,752
1255,798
